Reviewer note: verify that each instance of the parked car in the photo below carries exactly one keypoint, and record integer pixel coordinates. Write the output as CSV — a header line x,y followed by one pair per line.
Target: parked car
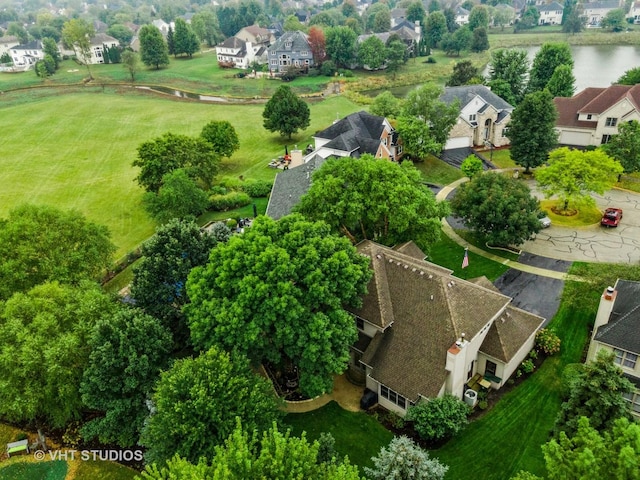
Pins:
x,y
611,217
545,222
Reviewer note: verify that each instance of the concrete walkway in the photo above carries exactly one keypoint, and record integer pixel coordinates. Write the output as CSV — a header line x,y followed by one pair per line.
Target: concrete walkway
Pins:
x,y
344,392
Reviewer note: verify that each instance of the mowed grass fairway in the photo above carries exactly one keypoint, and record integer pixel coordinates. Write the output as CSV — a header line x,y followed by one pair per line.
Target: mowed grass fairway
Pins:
x,y
75,150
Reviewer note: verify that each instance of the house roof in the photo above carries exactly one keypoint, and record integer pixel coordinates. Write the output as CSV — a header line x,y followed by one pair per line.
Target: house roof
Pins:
x,y
593,101
257,30
34,45
289,186
299,41
233,42
623,328
356,134
411,249
461,12
102,38
423,311
603,5
550,7
466,94
406,32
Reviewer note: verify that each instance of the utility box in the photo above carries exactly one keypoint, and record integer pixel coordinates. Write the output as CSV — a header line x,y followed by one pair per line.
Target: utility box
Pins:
x,y
471,397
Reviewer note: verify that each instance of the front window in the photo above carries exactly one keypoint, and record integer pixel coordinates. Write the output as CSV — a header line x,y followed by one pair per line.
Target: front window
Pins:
x,y
625,359
490,368
605,139
634,400
611,122
399,149
472,117
393,397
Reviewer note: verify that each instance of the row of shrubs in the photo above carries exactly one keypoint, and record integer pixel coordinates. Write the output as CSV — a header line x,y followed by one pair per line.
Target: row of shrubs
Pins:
x,y
231,195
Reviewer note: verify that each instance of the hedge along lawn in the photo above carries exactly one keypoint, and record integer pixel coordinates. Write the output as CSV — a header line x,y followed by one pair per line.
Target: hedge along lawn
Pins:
x,y
357,434
75,151
508,438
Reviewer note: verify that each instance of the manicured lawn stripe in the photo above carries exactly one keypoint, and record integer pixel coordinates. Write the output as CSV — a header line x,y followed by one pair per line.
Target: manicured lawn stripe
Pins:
x,y
90,470
357,434
436,171
56,470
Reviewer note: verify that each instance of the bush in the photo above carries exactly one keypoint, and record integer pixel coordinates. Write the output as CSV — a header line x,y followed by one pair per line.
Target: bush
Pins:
x,y
483,404
547,341
218,190
328,68
313,72
431,60
528,366
345,73
471,166
259,188
440,418
232,223
533,354
222,203
20,436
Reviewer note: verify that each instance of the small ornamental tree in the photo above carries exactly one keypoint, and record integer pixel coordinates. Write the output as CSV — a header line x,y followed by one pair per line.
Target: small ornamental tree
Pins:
x,y
178,197
285,112
153,48
402,459
440,418
547,341
222,136
471,166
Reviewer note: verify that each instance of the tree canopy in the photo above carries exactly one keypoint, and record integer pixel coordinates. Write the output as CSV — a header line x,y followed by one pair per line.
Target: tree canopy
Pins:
x,y
394,208
630,77
417,141
498,207
625,146
562,83
128,351
185,39
573,175
549,57
372,53
43,350
510,66
286,113
77,33
464,73
196,404
436,28
340,45
532,129
153,48
595,393
614,20
385,105
439,418
222,136
403,459
270,292
178,197
41,243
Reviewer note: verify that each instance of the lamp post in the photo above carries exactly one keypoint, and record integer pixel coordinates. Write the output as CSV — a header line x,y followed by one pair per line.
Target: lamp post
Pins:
x,y
487,143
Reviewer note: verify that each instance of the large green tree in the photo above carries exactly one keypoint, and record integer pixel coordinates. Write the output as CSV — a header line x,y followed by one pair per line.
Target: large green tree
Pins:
x,y
436,28
573,175
562,83
234,302
456,42
178,197
170,152
479,17
439,418
417,140
396,56
340,45
614,20
572,18
510,66
532,129
394,208
41,243
403,459
385,104
625,146
247,455
44,349
205,25
372,53
285,112
49,47
160,276
464,73
153,48
549,57
222,136
480,41
416,12
498,207
425,104
77,34
630,77
595,393
128,352
185,39
196,404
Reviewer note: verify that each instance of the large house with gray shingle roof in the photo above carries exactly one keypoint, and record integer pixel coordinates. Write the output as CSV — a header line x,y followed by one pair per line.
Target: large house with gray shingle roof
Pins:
x,y
617,329
484,117
423,333
592,116
292,49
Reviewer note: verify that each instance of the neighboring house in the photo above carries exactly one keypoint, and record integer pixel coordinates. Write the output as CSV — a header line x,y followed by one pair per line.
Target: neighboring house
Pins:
x,y
241,54
409,33
592,116
99,43
511,12
484,117
162,26
423,333
256,35
27,54
617,329
398,15
594,12
550,14
355,134
291,49
462,16
634,13
7,43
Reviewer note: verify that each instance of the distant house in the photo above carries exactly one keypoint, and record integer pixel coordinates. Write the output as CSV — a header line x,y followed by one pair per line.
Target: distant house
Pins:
x,y
462,16
594,12
26,55
240,54
398,15
634,13
256,35
617,329
509,9
7,43
484,117
162,26
291,49
423,333
99,43
409,33
592,116
550,13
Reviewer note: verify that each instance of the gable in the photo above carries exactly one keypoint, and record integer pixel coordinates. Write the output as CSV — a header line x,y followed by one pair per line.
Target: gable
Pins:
x,y
465,94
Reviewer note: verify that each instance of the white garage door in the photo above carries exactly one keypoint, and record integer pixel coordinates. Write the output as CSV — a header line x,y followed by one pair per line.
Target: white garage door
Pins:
x,y
457,142
575,138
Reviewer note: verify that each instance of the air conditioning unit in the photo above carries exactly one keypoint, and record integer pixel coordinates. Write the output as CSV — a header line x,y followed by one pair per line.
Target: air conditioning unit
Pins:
x,y
471,397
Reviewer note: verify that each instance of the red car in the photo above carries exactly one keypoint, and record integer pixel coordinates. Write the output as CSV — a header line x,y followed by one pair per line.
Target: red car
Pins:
x,y
611,217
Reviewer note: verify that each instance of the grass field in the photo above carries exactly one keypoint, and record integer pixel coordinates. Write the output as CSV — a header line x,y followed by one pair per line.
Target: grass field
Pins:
x,y
436,171
587,215
357,434
75,151
56,470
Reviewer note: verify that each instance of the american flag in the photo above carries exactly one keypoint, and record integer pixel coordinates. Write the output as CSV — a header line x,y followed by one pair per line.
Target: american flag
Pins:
x,y
465,260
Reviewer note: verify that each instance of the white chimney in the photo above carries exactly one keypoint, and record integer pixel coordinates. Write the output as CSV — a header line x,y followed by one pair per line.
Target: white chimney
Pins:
x,y
607,300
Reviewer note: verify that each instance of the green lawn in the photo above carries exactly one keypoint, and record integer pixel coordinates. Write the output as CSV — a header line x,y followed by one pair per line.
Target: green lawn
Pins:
x,y
56,470
449,254
501,158
508,438
90,470
357,434
75,151
436,171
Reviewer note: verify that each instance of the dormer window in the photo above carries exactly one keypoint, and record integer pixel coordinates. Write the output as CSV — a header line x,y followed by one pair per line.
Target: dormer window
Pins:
x,y
625,359
288,44
472,117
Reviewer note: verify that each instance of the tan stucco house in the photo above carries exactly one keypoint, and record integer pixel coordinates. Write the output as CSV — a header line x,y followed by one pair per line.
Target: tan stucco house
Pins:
x,y
617,329
423,333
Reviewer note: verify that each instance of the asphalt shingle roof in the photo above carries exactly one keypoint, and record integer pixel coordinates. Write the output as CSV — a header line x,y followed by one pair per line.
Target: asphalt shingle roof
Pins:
x,y
623,329
466,93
